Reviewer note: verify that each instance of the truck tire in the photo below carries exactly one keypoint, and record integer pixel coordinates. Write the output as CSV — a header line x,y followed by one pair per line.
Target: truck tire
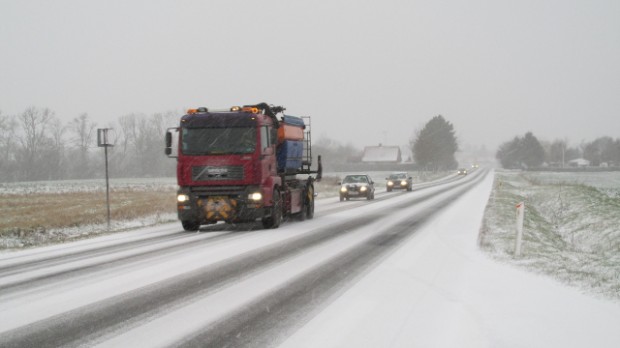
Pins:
x,y
303,213
275,218
310,213
190,225
307,210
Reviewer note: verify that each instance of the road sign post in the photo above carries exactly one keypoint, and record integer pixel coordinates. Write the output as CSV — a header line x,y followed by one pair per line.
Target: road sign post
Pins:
x,y
103,141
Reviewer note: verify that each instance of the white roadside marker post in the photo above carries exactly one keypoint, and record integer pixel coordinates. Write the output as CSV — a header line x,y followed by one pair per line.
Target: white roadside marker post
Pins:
x,y
520,216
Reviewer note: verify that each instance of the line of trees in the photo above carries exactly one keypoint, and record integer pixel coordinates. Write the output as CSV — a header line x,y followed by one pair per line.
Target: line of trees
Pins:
x,y
37,145
528,152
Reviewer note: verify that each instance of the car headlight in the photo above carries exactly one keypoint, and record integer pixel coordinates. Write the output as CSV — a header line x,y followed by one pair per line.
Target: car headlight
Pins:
x,y
182,198
256,196
343,189
363,188
403,183
390,183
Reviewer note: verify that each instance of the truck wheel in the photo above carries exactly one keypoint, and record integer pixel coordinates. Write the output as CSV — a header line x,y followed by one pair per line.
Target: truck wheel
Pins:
x,y
275,219
341,198
309,206
190,225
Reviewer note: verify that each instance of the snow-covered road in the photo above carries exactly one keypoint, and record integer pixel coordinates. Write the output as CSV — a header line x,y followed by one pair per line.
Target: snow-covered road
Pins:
x,y
402,270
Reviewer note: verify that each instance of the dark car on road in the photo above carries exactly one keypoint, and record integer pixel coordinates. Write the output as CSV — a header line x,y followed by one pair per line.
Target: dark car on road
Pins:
x,y
399,181
462,171
358,185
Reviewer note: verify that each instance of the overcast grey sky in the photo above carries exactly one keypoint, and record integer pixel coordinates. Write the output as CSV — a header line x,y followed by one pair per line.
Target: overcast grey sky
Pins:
x,y
367,72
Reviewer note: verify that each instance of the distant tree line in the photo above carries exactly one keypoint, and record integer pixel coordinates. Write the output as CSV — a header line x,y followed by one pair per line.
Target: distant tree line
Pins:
x,y
528,152
36,145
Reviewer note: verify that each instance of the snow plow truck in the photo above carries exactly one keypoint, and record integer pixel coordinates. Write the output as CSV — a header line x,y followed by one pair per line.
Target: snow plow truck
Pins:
x,y
243,164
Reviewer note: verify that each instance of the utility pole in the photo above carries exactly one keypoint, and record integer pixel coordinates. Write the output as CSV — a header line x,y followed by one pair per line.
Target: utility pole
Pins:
x,y
102,141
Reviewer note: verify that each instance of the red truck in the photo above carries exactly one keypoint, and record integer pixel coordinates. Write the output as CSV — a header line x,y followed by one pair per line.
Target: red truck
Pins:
x,y
243,164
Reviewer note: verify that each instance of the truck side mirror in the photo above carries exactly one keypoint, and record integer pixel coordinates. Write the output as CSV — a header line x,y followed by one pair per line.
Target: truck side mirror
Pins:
x,y
319,171
168,149
169,145
168,140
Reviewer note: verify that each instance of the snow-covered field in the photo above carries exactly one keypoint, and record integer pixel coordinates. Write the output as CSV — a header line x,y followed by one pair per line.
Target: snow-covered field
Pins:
x,y
571,229
43,212
70,186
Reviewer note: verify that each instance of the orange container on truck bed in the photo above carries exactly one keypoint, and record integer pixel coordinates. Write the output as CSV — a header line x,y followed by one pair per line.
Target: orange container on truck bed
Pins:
x,y
291,128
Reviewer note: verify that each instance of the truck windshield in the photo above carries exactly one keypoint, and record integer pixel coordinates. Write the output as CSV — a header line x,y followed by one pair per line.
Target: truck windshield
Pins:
x,y
218,141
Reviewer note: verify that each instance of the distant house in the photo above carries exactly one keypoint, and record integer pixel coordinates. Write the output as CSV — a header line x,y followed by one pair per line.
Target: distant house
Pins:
x,y
382,154
579,163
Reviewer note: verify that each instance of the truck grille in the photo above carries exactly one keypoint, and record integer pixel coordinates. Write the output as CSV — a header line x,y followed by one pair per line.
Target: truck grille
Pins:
x,y
217,173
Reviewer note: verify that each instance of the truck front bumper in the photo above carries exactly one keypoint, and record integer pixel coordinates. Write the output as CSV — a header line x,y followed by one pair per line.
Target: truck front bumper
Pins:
x,y
208,209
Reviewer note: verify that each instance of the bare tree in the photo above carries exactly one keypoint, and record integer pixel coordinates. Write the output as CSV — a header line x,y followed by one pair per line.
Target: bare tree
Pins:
x,y
34,124
7,148
83,135
122,151
55,153
83,130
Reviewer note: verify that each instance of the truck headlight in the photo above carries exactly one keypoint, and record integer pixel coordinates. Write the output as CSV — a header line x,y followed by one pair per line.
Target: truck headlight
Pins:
x,y
343,189
182,198
403,183
256,196
390,183
363,189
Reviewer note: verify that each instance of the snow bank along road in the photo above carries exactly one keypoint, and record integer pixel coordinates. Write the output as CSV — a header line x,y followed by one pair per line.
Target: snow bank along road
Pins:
x,y
223,286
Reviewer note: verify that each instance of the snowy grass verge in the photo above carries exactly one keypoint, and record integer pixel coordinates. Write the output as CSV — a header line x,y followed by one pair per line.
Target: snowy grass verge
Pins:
x,y
41,213
571,227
